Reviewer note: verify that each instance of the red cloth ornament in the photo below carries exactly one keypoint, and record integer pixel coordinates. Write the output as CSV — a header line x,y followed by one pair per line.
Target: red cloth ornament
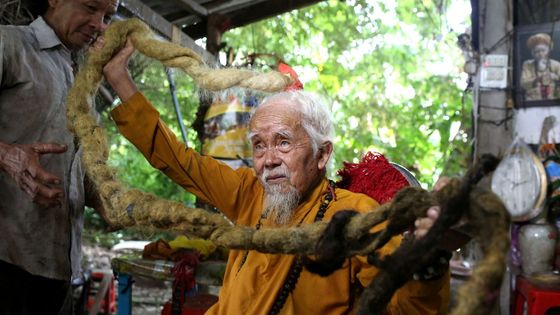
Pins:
x,y
373,176
284,68
184,274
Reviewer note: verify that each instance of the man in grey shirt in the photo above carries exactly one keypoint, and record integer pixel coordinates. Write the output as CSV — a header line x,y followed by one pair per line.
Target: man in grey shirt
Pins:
x,y
42,193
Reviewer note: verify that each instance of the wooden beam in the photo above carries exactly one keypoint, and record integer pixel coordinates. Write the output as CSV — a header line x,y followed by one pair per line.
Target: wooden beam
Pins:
x,y
232,5
264,10
164,27
250,13
187,20
194,7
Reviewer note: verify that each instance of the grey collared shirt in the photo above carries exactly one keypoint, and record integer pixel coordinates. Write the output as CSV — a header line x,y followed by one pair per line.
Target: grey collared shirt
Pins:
x,y
35,76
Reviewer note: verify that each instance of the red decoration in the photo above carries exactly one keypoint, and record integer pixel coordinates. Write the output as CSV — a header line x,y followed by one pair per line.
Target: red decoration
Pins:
x,y
184,274
284,68
373,176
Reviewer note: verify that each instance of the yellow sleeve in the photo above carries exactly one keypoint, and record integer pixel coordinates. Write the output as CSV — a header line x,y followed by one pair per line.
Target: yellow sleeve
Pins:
x,y
422,297
140,123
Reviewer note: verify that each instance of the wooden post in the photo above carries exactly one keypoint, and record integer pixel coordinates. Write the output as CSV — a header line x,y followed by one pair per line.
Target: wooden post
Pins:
x,y
492,109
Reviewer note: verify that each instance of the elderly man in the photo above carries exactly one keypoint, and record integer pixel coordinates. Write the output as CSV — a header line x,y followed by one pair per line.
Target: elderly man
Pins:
x,y
41,181
540,75
291,135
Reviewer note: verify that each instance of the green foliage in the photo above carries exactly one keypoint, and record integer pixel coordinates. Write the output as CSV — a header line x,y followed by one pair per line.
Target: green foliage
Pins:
x,y
391,70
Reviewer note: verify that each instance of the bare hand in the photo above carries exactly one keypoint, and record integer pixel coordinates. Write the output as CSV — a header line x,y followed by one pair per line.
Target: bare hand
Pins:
x,y
21,162
97,45
118,65
453,238
116,70
423,225
441,182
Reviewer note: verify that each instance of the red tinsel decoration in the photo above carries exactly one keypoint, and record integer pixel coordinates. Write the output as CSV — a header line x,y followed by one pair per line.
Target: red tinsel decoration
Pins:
x,y
373,176
285,68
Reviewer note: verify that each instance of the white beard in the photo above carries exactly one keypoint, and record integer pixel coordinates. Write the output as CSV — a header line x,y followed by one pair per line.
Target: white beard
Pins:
x,y
280,199
542,65
281,204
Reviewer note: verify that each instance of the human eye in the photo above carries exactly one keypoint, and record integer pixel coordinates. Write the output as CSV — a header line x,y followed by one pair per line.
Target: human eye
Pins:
x,y
107,19
258,147
284,145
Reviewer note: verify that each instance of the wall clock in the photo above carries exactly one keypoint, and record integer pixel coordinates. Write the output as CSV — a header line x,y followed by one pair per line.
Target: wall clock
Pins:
x,y
520,181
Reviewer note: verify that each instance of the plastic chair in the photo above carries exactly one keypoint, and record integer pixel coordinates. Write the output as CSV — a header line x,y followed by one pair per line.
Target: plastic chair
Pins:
x,y
539,296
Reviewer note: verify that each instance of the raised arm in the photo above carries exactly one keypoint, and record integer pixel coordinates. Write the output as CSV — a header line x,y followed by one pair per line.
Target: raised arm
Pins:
x,y
140,123
116,71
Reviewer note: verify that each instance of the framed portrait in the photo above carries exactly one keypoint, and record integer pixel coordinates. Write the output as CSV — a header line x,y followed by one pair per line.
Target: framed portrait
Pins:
x,y
537,65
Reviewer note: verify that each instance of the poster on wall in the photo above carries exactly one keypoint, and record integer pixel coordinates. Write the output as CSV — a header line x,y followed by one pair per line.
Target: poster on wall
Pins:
x,y
537,65
226,127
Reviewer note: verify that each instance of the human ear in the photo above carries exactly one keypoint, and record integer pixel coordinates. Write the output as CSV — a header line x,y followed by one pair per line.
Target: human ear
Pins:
x,y
53,3
324,154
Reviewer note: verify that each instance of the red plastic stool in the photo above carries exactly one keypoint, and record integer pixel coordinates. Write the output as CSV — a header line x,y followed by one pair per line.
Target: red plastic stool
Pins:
x,y
102,297
539,295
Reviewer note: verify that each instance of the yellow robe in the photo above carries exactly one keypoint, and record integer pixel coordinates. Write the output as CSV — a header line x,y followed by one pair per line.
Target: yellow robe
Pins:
x,y
239,195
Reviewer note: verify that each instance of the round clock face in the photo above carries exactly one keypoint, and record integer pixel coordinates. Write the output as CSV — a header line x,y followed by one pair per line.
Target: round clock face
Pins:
x,y
518,182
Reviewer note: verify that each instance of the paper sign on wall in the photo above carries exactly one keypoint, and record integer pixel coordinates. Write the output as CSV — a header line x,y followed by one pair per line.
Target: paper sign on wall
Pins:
x,y
493,71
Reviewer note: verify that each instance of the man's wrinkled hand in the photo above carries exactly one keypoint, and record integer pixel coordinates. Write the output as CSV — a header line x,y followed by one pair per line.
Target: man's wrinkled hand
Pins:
x,y
116,70
21,162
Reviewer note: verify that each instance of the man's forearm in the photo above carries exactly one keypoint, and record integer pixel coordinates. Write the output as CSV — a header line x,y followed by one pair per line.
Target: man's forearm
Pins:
x,y
123,86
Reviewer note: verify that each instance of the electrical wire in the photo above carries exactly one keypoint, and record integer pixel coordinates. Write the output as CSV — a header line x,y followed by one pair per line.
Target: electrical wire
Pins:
x,y
500,41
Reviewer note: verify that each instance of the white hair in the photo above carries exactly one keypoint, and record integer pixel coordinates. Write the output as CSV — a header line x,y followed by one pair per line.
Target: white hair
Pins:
x,y
317,119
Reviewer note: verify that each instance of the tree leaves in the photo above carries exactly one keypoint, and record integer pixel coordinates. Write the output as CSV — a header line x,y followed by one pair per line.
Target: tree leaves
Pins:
x,y
391,70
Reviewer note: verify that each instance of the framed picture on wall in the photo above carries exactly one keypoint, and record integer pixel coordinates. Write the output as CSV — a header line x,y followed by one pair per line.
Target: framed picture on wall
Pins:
x,y
537,65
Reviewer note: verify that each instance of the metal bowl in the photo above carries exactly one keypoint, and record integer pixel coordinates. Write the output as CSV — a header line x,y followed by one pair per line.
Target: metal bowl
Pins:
x,y
412,181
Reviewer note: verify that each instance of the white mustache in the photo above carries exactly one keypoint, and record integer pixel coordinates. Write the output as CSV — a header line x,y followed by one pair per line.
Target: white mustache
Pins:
x,y
279,171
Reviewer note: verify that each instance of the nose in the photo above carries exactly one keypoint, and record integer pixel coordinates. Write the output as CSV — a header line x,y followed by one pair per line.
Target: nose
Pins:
x,y
97,22
271,158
